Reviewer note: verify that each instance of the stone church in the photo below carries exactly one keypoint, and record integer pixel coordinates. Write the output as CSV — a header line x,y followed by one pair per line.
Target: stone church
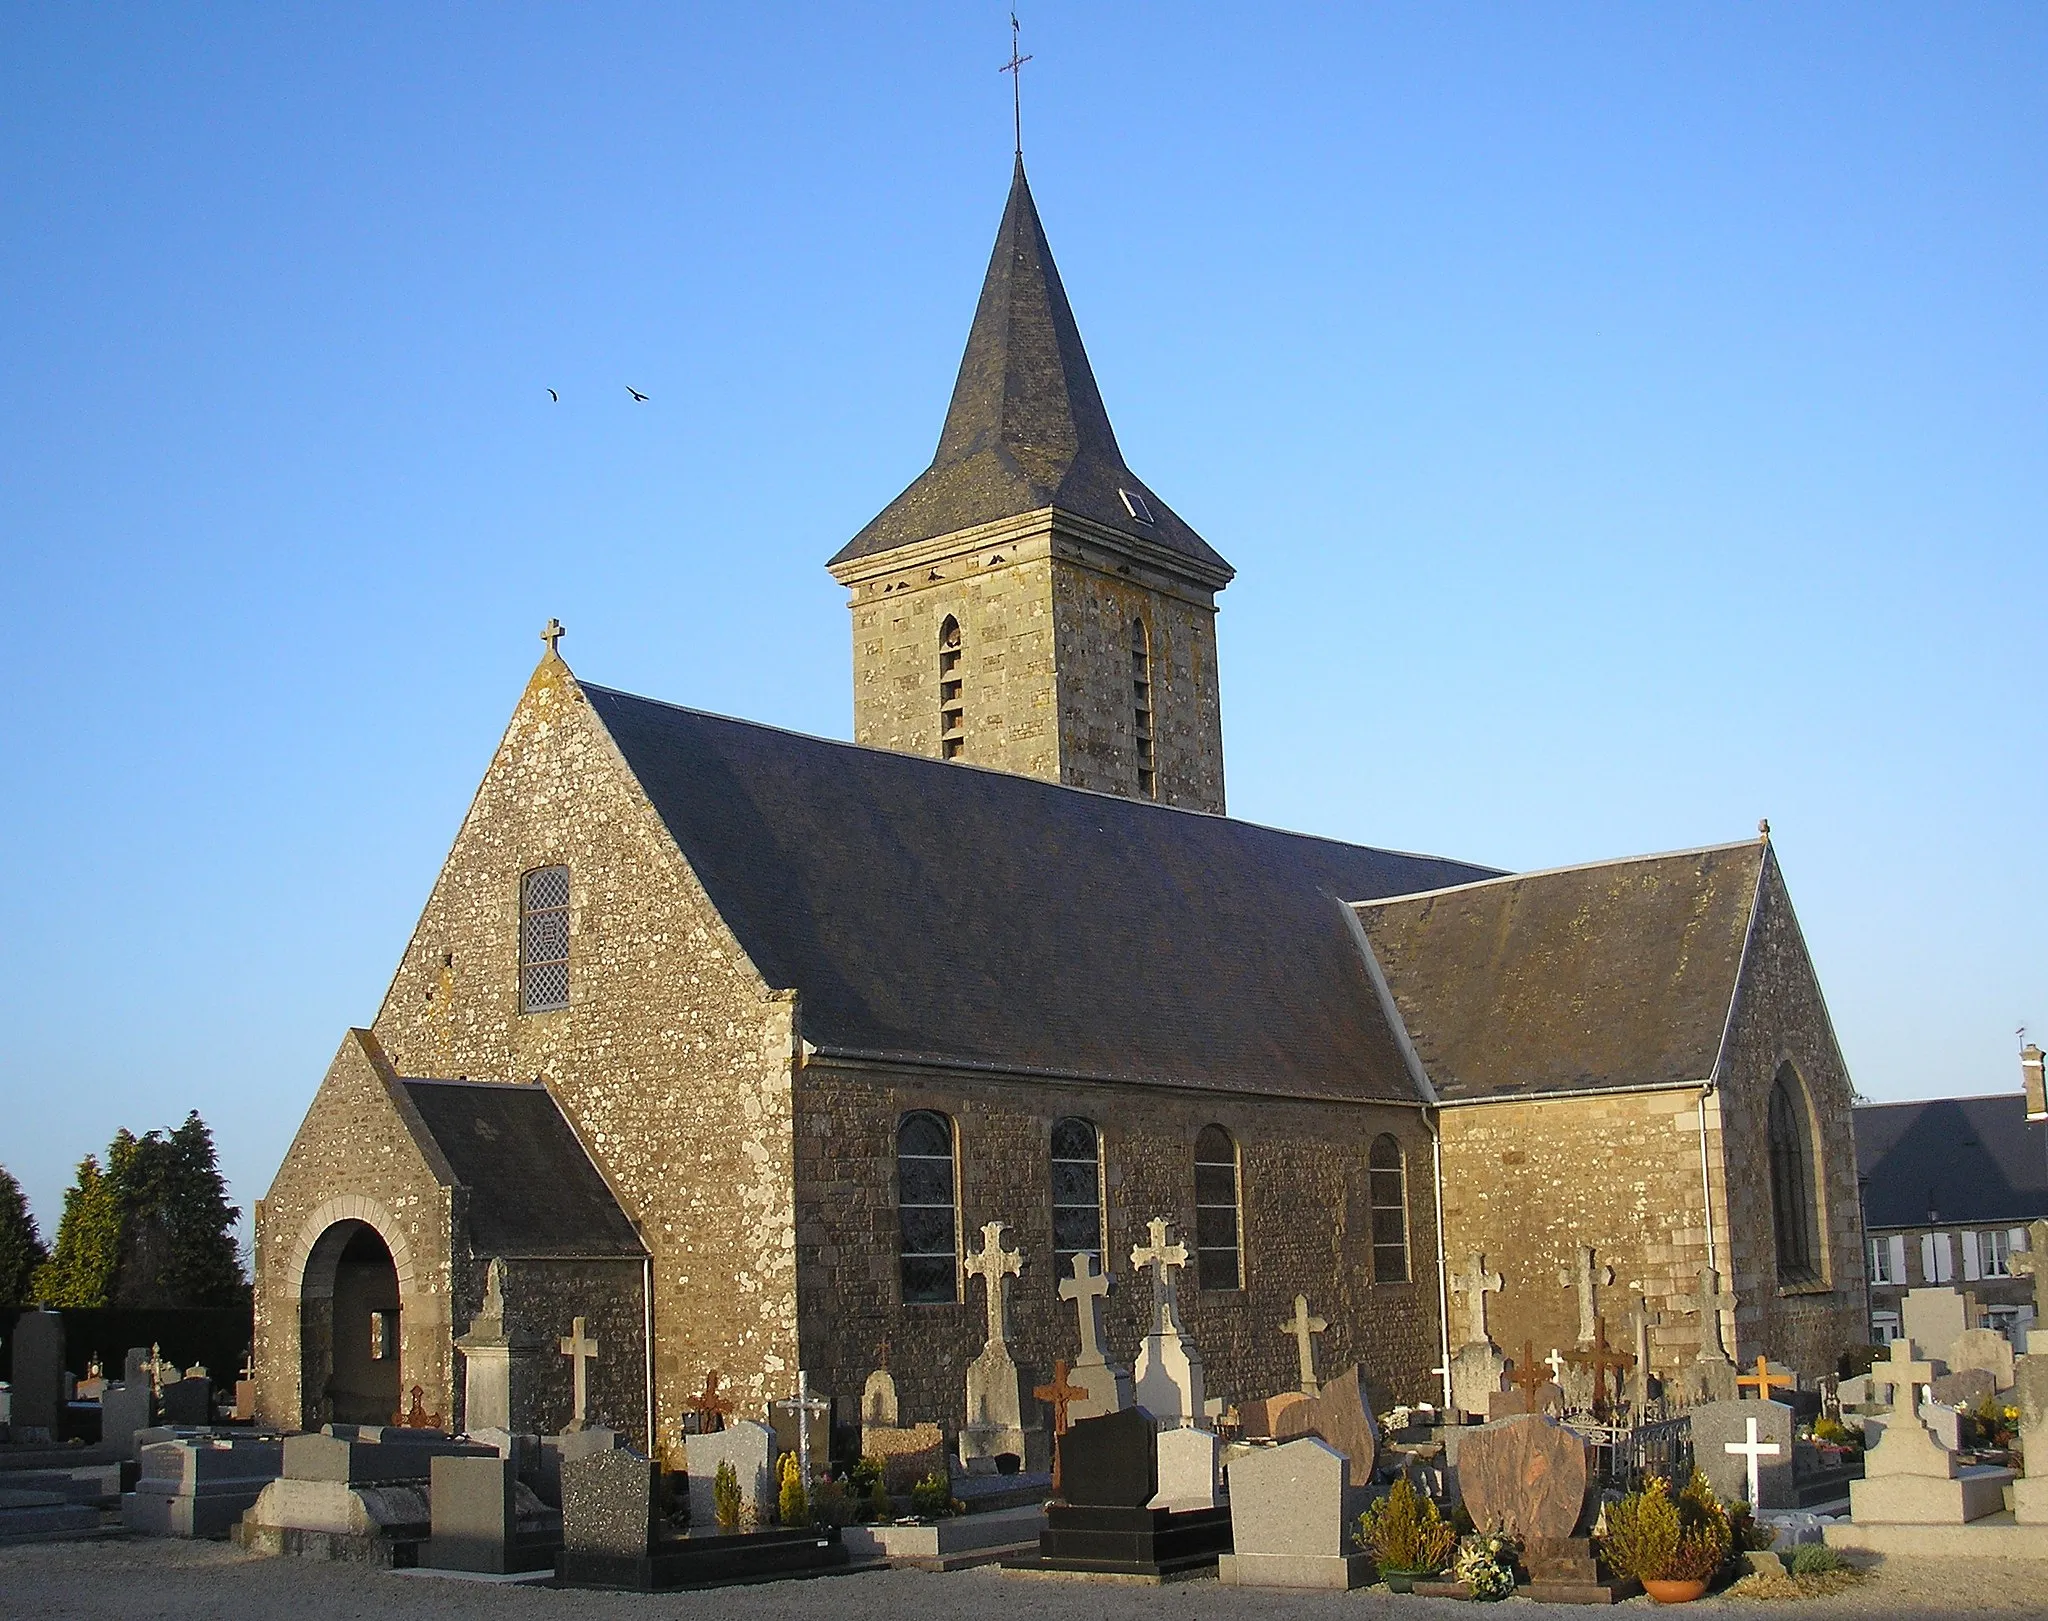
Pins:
x,y
728,1040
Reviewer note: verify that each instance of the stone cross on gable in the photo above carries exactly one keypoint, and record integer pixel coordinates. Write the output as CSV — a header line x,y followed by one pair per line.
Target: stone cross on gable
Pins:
x,y
1087,1289
1475,1283
1709,1303
1304,1328
995,1265
1588,1276
1163,1258
582,1350
2032,1262
1902,1371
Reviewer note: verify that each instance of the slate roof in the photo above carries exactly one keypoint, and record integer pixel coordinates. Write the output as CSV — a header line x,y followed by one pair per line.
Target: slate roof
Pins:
x,y
1614,975
532,1188
946,912
1026,428
1952,1160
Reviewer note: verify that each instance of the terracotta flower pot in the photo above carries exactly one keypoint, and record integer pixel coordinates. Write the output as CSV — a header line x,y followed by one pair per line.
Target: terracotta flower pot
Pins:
x,y
1665,1591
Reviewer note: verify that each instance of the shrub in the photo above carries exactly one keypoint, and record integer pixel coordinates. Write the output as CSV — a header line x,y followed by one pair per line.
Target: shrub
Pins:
x,y
1814,1559
1404,1532
932,1497
792,1503
1835,1432
832,1503
868,1481
1655,1537
725,1496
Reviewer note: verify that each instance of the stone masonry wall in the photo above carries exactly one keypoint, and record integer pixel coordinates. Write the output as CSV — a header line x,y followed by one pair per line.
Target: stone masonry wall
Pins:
x,y
1527,1182
1781,1017
672,1060
353,1160
1306,1229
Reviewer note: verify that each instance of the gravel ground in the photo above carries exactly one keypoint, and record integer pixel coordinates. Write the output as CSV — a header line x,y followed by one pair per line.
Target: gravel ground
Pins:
x,y
144,1580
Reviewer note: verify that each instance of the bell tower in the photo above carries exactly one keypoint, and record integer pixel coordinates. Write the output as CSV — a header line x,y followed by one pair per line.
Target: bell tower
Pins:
x,y
1028,603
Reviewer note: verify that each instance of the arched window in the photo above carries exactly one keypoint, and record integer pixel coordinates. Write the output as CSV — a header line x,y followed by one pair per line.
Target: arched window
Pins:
x,y
1076,1194
952,709
1387,1172
927,1209
1795,1203
1218,1245
544,940
1141,706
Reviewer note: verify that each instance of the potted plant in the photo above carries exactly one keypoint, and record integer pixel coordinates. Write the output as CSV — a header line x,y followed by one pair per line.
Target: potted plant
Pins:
x,y
1405,1535
1486,1565
1673,1546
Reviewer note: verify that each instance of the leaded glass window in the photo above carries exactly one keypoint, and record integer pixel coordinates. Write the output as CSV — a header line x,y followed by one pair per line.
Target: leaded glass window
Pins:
x,y
1794,1195
927,1209
1218,1224
1076,1194
1388,1174
544,940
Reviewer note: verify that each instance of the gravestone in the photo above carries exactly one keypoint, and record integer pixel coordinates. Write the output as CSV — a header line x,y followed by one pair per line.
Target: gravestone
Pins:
x,y
486,1519
124,1409
1710,1377
1586,1276
1341,1415
187,1403
995,1426
1982,1350
1854,1392
1965,1387
1911,1478
611,1504
1718,1426
1186,1470
38,1385
1527,1475
1934,1318
499,1364
1111,1461
1168,1379
2030,1396
1292,1511
908,1453
1944,1423
1104,1521
1259,1420
1108,1384
878,1401
1302,1328
750,1449
1477,1369
198,1487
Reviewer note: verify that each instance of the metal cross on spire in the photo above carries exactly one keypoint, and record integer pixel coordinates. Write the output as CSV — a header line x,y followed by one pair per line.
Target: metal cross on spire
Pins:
x,y
1014,67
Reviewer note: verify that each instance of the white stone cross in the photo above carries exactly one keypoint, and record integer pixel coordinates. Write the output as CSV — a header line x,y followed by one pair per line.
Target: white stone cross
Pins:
x,y
1902,1370
1304,1328
1475,1283
578,1345
1087,1289
1752,1451
804,1406
1709,1303
1587,1276
1556,1363
1163,1258
994,1265
2032,1262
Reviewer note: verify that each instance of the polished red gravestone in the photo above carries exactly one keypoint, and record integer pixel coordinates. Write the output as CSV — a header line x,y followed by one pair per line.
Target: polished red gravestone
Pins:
x,y
1340,1414
1528,1475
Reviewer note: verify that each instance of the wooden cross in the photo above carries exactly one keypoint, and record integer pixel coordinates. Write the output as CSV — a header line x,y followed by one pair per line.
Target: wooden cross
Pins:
x,y
419,1418
1602,1360
1475,1283
1163,1258
995,1266
1526,1376
1764,1381
553,634
710,1407
1303,1328
1059,1393
582,1349
2032,1262
1087,1289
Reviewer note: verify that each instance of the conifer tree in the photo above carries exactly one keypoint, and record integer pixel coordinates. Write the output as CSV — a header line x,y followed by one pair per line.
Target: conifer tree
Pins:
x,y
21,1246
80,1271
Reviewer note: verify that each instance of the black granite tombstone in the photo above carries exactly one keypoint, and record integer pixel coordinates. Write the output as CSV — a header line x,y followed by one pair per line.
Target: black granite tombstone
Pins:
x,y
1110,1462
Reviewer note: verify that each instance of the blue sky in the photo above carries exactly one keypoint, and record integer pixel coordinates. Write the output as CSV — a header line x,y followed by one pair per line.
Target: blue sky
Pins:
x,y
1626,422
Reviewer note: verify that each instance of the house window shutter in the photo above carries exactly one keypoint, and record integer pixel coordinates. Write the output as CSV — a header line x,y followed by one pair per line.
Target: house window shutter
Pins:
x,y
1944,1257
1898,1248
2016,1238
1927,1257
1973,1261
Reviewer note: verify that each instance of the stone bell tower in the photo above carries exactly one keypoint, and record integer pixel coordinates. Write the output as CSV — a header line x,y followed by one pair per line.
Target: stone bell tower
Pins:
x,y
1027,603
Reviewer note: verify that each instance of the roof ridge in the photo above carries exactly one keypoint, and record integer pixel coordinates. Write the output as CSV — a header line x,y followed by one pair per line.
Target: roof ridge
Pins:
x,y
1554,872
1943,1097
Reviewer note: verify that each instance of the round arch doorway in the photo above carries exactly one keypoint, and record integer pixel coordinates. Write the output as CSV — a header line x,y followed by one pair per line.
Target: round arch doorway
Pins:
x,y
349,1328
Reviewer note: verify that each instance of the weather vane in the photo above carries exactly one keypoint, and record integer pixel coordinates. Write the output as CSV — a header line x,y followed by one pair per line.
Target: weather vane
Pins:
x,y
1013,67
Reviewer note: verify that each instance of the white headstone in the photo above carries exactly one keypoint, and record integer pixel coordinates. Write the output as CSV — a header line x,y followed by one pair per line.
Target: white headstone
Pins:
x,y
1721,1437
750,1449
1108,1385
1187,1470
1985,1349
1932,1319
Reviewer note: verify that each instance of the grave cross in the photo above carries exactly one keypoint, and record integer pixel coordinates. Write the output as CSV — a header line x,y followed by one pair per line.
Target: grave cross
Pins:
x,y
710,1406
804,1404
2032,1262
1303,1328
1087,1289
1164,1259
994,1265
1525,1377
1640,1317
418,1418
156,1366
1475,1283
1556,1362
1902,1371
1765,1381
1059,1393
582,1349
1709,1303
1588,1277
1602,1360
1751,1452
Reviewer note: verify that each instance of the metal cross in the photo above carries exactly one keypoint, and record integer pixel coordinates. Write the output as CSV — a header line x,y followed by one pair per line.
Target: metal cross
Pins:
x,y
1602,1360
1475,1283
1087,1289
710,1407
1014,67
578,1345
1163,1258
1059,1393
1524,1377
553,634
993,1266
804,1405
1765,1381
1304,1327
1754,1450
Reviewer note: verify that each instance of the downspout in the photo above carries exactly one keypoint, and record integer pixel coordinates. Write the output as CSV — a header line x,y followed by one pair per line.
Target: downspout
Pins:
x,y
647,1343
1706,1176
1443,1287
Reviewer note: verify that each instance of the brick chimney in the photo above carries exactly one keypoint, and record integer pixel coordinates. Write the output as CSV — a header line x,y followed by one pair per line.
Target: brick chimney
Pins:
x,y
2031,1077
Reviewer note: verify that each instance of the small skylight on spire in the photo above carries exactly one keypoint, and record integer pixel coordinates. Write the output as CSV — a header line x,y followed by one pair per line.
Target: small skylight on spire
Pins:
x,y
1134,504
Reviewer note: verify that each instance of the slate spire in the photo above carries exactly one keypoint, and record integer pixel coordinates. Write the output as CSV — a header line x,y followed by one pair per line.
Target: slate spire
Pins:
x,y
1026,428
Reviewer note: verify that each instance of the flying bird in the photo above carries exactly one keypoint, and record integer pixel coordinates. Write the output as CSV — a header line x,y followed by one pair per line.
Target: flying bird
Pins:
x,y
554,396
630,389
